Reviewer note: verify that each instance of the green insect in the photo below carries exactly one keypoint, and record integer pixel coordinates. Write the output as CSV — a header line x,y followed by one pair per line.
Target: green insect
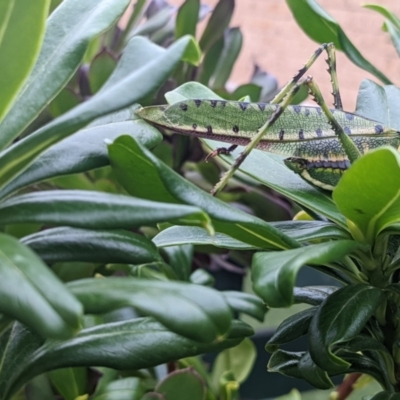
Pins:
x,y
321,143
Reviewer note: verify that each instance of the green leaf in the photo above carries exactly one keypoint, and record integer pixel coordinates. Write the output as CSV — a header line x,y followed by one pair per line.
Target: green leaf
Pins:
x,y
286,363
69,382
32,294
202,277
313,295
22,26
290,329
266,168
84,150
368,194
340,318
313,374
246,303
180,259
274,273
386,395
186,20
98,246
98,210
233,40
217,23
100,69
385,12
69,30
238,360
147,342
322,28
110,99
121,389
379,103
179,384
194,311
180,235
135,167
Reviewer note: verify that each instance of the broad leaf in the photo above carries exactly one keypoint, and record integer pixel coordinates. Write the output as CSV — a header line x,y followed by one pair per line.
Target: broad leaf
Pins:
x,y
246,303
187,17
32,294
98,246
274,273
340,318
369,193
135,167
22,26
69,29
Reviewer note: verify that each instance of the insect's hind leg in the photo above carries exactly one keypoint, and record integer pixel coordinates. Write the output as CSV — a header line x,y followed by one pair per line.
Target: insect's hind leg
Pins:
x,y
331,61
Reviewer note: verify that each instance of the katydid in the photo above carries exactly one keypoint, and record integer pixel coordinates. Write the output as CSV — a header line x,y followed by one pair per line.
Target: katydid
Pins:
x,y
321,142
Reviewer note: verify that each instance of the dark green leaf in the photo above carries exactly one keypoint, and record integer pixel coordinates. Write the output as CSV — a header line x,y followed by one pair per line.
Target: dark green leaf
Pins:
x,y
98,246
286,363
246,303
313,374
202,277
110,99
274,274
32,294
186,20
180,259
322,28
217,23
100,70
87,209
194,311
135,167
290,329
135,344
368,194
386,395
22,26
69,382
69,30
179,384
340,318
313,295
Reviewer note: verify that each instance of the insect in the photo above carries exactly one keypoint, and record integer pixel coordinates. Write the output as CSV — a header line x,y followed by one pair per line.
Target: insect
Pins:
x,y
321,143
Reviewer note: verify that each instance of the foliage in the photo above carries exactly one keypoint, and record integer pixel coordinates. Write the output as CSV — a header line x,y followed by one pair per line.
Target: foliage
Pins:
x,y
67,225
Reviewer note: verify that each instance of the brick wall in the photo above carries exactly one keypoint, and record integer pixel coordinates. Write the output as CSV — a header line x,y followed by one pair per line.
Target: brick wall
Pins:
x,y
273,39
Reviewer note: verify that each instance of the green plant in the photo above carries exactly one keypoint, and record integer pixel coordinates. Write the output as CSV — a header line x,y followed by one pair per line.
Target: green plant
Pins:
x,y
86,235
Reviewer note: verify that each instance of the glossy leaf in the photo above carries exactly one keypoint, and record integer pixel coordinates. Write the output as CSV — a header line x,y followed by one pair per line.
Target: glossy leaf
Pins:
x,y
112,98
274,273
180,235
193,311
313,295
340,318
135,167
313,374
286,363
180,259
121,389
186,20
32,294
217,23
69,382
369,193
322,28
290,329
266,168
98,210
179,384
84,150
246,303
69,30
147,342
98,246
22,26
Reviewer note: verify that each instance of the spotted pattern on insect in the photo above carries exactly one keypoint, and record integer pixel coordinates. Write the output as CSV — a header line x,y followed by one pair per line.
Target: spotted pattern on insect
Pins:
x,y
198,102
318,131
213,103
349,116
301,134
378,129
347,130
281,134
243,106
235,128
183,106
297,109
307,112
194,126
261,106
209,129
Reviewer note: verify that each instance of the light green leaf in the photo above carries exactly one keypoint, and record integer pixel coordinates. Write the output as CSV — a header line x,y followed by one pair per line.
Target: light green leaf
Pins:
x,y
69,30
369,193
22,26
69,382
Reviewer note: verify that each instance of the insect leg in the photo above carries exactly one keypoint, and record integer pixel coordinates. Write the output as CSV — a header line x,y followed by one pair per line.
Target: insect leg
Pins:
x,y
331,61
348,145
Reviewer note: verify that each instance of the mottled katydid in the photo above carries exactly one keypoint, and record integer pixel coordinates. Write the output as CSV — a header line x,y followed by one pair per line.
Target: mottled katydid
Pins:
x,y
317,139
